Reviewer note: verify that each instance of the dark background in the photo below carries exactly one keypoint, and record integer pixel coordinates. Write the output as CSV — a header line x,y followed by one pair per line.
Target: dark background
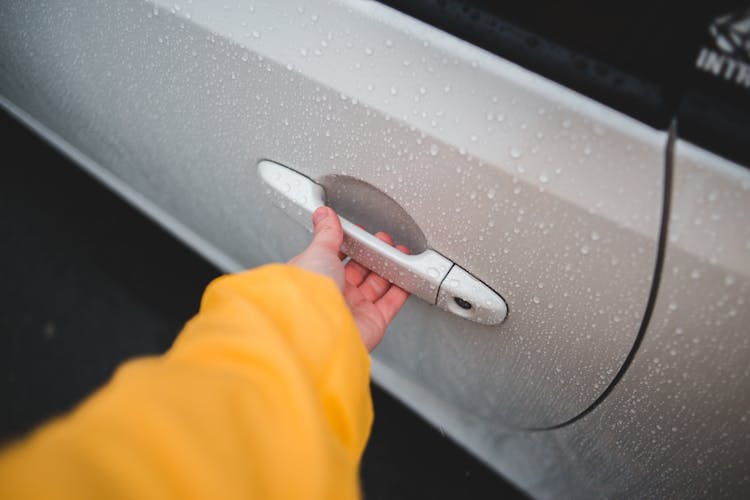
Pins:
x,y
86,281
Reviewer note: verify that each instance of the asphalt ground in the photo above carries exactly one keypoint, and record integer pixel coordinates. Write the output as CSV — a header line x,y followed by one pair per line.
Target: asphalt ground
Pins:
x,y
87,281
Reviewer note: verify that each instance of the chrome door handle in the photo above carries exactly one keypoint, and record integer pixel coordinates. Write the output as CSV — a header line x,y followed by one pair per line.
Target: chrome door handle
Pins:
x,y
428,275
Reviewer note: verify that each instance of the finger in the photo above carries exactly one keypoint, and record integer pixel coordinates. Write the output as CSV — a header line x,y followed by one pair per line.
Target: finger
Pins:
x,y
374,286
327,231
355,272
391,302
384,237
404,249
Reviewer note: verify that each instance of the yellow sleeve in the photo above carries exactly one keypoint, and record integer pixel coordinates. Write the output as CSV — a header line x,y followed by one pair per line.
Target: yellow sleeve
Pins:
x,y
265,394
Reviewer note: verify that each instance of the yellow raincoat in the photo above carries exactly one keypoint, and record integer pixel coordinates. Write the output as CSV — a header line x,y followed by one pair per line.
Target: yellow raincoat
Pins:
x,y
264,395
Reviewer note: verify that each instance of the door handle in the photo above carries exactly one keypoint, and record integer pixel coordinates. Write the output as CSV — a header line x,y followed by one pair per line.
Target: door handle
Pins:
x,y
428,275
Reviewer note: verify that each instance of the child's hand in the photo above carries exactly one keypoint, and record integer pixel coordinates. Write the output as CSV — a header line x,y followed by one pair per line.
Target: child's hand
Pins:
x,y
372,299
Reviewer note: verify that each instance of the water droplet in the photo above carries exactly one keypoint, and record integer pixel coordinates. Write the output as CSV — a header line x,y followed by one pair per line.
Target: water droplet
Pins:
x,y
585,249
595,236
433,272
434,149
535,299
368,51
695,274
567,123
544,178
515,152
490,193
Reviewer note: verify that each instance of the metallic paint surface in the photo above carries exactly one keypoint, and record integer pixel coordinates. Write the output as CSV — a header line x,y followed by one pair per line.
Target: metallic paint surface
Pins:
x,y
178,121
551,198
677,425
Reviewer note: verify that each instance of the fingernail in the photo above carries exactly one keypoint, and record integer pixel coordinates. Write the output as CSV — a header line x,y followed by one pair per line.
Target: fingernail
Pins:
x,y
320,214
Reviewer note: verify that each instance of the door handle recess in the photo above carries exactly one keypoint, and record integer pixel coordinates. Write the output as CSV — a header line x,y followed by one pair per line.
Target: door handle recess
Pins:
x,y
429,275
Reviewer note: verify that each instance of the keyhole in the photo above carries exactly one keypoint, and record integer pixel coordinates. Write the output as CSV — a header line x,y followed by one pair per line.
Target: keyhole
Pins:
x,y
462,303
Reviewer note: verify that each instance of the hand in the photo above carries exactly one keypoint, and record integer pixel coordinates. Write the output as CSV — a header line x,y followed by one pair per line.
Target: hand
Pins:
x,y
372,300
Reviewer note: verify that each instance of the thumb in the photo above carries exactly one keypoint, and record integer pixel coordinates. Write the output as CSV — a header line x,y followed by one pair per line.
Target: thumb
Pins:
x,y
327,231
322,254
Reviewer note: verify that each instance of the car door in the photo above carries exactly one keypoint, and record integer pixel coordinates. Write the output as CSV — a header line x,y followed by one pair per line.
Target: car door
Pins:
x,y
552,199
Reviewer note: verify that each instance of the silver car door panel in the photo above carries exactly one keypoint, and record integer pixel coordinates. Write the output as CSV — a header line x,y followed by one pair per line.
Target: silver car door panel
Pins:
x,y
550,198
677,424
